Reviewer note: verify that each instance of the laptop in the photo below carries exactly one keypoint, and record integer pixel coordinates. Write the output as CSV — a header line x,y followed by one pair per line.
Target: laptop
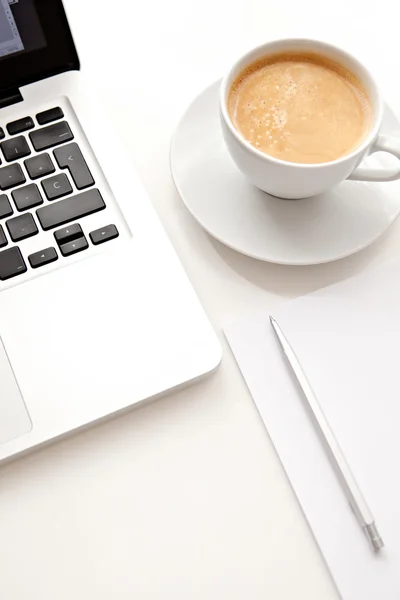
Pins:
x,y
96,312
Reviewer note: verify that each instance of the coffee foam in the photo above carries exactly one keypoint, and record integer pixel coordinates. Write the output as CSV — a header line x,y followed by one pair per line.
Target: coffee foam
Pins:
x,y
300,107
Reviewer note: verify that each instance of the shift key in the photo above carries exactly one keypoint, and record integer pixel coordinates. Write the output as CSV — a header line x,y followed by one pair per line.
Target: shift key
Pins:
x,y
70,209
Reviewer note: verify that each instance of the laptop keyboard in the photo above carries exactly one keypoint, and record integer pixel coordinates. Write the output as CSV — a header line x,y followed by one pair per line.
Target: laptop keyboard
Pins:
x,y
38,199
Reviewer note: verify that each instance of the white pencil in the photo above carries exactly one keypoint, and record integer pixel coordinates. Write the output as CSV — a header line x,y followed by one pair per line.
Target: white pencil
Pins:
x,y
339,463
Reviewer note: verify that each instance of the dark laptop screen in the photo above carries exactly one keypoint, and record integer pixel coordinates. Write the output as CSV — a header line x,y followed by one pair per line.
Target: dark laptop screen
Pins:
x,y
35,42
20,29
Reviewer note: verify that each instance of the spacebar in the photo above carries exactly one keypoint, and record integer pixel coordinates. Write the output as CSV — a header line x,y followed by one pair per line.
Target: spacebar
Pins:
x,y
70,209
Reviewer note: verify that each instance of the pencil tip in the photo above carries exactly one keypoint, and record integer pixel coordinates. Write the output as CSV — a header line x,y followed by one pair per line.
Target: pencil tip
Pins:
x,y
374,537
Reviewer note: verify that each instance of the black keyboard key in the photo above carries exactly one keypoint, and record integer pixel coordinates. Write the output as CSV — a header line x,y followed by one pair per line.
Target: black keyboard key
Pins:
x,y
51,136
74,247
11,263
5,207
68,234
11,176
3,239
44,257
70,157
56,186
38,166
27,197
2,134
21,227
99,236
47,116
15,148
20,125
70,209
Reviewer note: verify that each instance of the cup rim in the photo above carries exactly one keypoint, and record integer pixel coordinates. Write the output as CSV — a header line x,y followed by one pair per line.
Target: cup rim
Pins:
x,y
262,155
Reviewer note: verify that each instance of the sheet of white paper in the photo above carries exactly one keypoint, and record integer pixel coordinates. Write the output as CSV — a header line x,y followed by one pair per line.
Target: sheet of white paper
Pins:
x,y
347,338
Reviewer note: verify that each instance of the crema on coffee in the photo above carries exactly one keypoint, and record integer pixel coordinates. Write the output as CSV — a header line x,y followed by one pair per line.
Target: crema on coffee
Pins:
x,y
300,107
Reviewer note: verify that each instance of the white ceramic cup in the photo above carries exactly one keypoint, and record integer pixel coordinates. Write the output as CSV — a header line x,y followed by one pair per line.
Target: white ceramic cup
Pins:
x,y
297,180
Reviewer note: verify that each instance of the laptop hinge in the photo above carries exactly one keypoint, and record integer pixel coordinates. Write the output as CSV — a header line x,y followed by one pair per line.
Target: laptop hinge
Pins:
x,y
11,96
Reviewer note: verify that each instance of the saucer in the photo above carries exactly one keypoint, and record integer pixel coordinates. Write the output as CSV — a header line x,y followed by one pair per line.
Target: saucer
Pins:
x,y
310,231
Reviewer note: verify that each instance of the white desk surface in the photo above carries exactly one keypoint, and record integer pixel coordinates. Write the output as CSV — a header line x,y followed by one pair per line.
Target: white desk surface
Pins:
x,y
185,498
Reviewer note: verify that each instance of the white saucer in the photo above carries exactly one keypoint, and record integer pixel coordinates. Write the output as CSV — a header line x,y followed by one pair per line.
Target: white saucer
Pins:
x,y
315,230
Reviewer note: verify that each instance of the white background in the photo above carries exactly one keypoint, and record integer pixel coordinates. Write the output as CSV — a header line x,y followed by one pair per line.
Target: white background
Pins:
x,y
186,497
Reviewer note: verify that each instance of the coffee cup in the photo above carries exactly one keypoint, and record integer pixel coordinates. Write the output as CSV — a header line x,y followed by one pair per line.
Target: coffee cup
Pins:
x,y
293,180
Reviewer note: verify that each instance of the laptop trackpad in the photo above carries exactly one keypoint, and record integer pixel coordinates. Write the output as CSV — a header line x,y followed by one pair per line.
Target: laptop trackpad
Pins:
x,y
14,418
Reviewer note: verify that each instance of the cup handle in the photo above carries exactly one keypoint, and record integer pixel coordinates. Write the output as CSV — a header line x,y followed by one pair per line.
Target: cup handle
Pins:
x,y
383,143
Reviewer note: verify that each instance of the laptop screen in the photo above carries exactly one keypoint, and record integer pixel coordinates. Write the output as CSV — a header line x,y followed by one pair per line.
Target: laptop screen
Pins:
x,y
35,42
20,29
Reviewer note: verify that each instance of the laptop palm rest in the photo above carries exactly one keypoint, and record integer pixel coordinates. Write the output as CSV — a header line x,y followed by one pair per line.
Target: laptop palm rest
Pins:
x,y
14,418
